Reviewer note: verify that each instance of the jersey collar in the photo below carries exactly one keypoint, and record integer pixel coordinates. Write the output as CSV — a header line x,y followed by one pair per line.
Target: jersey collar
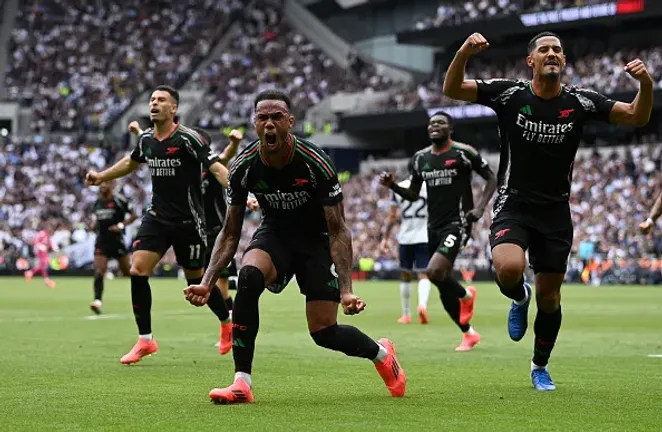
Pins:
x,y
533,92
289,157
172,132
444,149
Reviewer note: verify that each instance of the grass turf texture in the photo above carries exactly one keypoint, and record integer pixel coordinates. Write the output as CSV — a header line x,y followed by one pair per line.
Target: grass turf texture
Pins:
x,y
61,371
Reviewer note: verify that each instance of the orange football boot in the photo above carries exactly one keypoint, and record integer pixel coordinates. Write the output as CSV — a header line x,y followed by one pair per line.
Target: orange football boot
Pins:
x,y
467,306
141,349
389,369
225,341
469,341
238,392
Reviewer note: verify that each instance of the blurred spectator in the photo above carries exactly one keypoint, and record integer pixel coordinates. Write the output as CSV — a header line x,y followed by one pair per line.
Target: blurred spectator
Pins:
x,y
266,53
78,64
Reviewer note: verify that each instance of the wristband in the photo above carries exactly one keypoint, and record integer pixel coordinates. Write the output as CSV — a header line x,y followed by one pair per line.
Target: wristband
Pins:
x,y
120,225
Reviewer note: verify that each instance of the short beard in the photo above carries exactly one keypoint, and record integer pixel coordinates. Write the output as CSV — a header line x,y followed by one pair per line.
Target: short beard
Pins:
x,y
552,76
439,141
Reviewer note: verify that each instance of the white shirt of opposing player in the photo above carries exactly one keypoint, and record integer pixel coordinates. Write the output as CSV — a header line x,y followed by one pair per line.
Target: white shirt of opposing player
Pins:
x,y
413,217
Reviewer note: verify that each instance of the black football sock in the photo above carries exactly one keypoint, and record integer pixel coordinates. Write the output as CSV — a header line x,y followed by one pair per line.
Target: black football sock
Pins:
x,y
517,292
228,303
246,317
141,297
98,287
452,307
348,340
546,329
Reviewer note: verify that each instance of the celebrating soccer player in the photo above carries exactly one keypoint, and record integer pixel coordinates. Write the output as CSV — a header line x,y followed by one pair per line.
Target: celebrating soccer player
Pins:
x,y
175,155
540,125
446,167
110,212
303,233
413,249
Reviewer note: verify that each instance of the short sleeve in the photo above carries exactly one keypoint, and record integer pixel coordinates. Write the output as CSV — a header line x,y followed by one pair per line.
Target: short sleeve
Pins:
x,y
494,92
413,170
329,189
237,192
479,163
200,149
596,105
138,153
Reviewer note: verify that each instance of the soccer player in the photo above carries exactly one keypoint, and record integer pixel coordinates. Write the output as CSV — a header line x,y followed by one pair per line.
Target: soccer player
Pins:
x,y
540,125
647,225
41,245
110,212
303,233
413,249
446,167
214,204
175,155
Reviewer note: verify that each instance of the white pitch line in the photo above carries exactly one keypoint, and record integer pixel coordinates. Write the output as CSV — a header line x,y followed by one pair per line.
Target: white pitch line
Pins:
x,y
90,317
655,355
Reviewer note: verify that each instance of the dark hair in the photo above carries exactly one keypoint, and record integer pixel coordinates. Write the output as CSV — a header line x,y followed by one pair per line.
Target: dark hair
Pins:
x,y
203,133
174,93
532,42
272,95
445,114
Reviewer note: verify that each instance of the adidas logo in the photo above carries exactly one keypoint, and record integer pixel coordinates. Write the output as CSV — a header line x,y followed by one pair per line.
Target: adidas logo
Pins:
x,y
238,343
261,185
526,109
334,284
427,166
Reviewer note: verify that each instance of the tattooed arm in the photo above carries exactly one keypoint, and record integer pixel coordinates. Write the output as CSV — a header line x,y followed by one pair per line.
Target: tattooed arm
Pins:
x,y
341,245
223,252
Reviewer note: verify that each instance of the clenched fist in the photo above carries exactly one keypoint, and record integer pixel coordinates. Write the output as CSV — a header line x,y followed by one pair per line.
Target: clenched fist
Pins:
x,y
92,178
474,44
236,136
637,69
134,128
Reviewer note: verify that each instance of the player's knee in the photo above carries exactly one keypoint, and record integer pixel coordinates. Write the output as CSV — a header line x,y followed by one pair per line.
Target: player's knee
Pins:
x,y
326,337
405,276
436,273
548,300
99,272
137,270
250,280
509,272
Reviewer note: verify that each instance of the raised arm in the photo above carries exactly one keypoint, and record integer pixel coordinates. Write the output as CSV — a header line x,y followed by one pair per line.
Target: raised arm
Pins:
x,y
638,112
220,173
654,215
455,86
224,250
231,149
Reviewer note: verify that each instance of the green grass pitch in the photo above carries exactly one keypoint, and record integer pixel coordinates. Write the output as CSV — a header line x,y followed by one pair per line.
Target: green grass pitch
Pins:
x,y
60,370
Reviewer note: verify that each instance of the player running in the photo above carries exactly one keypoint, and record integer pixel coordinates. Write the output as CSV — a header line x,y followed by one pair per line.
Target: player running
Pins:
x,y
213,195
540,125
413,249
41,245
303,233
446,167
175,155
110,212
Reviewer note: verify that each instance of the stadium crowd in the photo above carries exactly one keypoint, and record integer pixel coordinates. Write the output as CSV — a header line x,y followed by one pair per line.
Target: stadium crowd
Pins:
x,y
78,64
267,53
602,72
42,182
457,12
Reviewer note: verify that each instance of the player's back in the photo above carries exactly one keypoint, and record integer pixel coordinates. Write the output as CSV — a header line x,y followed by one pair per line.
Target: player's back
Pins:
x,y
413,217
42,241
292,197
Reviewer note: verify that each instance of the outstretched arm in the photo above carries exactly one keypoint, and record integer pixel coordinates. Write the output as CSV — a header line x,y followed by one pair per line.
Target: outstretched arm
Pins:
x,y
123,167
231,149
412,193
220,173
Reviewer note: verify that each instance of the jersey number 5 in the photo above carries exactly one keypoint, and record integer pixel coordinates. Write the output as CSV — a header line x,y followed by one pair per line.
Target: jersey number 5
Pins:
x,y
450,240
418,213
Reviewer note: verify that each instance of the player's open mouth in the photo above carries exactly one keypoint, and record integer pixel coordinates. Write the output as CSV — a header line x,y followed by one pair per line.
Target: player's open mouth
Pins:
x,y
270,139
551,63
154,111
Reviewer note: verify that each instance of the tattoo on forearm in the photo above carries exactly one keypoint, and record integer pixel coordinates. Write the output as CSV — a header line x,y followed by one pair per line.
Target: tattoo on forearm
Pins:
x,y
340,240
226,244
